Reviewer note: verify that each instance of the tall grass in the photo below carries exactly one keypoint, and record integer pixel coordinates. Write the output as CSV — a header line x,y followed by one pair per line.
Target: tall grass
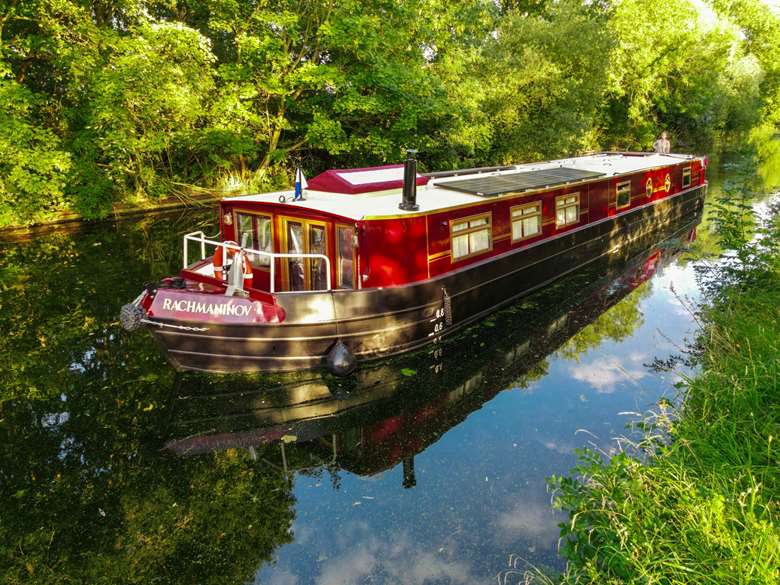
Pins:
x,y
697,501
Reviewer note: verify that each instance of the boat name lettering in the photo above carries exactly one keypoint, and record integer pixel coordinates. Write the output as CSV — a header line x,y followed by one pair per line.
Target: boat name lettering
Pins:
x,y
207,308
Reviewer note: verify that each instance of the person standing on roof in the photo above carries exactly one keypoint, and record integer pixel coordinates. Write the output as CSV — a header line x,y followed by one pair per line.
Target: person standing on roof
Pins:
x,y
662,145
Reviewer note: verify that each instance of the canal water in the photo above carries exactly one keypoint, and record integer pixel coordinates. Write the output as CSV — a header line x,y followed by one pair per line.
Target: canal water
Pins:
x,y
427,469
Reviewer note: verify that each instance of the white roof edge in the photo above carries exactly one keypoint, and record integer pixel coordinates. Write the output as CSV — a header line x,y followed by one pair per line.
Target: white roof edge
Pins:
x,y
436,196
599,160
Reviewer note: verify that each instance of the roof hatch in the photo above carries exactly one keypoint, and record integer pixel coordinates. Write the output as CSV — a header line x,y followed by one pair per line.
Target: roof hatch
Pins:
x,y
366,180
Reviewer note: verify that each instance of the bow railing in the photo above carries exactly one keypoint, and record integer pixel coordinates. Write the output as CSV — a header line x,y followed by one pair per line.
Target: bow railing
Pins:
x,y
200,238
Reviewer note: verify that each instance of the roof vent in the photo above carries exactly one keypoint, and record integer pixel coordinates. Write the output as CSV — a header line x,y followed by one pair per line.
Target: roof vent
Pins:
x,y
409,201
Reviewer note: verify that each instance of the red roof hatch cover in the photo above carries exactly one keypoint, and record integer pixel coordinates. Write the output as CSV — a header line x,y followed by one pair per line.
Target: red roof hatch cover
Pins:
x,y
366,180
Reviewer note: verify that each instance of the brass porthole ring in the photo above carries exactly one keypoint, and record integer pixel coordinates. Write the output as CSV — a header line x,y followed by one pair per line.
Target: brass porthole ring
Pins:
x,y
668,182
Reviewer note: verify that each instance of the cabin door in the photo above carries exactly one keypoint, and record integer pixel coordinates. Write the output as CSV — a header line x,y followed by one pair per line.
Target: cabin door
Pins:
x,y
302,236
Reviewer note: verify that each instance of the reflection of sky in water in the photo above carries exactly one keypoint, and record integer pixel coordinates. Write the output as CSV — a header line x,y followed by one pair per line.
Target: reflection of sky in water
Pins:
x,y
481,499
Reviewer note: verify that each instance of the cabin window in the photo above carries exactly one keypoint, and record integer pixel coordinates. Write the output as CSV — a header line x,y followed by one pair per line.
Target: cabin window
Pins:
x,y
526,221
470,236
346,262
686,178
258,236
649,188
567,209
623,194
246,230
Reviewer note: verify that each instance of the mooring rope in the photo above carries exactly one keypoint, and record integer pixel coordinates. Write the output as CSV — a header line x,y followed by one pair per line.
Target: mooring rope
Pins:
x,y
182,327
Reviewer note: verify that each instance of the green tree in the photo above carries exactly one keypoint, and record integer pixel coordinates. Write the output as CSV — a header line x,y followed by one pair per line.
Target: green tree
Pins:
x,y
348,81
33,165
545,78
147,106
104,102
760,28
667,71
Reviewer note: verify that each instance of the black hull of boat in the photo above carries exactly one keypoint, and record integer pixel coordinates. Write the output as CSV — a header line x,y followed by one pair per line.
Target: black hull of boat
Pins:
x,y
375,323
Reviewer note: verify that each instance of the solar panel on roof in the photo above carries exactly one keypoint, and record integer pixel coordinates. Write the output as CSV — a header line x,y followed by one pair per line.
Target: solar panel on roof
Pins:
x,y
491,186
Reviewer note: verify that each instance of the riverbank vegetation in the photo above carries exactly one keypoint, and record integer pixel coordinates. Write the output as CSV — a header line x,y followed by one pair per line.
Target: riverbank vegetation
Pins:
x,y
128,102
696,501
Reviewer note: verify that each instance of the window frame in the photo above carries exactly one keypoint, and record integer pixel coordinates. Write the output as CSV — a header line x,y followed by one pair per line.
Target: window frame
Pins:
x,y
618,186
255,234
521,218
579,209
336,227
489,227
687,171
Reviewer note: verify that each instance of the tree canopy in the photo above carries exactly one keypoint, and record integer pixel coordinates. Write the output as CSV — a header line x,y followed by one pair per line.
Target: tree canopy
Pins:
x,y
105,102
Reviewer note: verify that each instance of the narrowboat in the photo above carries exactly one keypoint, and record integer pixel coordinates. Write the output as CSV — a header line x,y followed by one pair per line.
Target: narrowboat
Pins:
x,y
370,262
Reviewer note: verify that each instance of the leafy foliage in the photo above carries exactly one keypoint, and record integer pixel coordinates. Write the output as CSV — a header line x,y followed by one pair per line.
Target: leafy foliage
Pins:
x,y
33,167
109,102
146,104
546,82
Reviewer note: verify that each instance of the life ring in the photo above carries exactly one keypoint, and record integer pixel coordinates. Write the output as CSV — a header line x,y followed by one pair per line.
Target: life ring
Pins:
x,y
219,261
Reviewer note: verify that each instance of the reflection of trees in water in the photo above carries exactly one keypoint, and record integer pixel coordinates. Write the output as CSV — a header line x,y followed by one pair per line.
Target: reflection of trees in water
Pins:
x,y
616,324
62,292
737,177
85,502
87,495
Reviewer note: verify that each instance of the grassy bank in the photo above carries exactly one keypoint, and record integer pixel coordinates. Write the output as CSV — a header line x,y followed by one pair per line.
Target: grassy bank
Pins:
x,y
697,501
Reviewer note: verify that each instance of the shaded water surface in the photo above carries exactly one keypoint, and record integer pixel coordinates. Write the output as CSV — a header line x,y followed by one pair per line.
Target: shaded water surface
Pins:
x,y
425,469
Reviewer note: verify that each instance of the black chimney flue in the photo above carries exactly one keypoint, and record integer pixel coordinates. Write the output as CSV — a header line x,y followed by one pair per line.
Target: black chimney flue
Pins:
x,y
409,200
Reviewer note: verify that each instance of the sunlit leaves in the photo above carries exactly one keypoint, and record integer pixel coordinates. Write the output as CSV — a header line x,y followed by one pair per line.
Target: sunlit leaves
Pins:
x,y
33,165
129,101
147,99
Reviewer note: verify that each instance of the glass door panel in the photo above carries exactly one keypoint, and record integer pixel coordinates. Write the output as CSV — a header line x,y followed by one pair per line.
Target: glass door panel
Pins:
x,y
345,256
317,267
257,231
296,268
246,232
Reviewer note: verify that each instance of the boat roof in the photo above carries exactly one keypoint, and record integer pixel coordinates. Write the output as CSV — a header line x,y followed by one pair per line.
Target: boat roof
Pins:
x,y
439,191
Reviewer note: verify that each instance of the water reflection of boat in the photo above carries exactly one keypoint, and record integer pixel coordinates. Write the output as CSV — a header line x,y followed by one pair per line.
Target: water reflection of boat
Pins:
x,y
385,415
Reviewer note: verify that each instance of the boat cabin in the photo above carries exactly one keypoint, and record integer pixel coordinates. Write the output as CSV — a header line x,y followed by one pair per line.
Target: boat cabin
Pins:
x,y
362,228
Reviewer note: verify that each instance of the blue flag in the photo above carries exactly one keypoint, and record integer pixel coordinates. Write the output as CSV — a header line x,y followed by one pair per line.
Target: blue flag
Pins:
x,y
300,184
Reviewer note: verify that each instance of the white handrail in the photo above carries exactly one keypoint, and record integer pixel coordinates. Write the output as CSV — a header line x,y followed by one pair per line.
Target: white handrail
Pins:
x,y
200,237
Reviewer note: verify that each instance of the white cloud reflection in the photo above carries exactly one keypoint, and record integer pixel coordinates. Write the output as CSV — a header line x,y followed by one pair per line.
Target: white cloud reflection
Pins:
x,y
396,560
528,521
605,374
